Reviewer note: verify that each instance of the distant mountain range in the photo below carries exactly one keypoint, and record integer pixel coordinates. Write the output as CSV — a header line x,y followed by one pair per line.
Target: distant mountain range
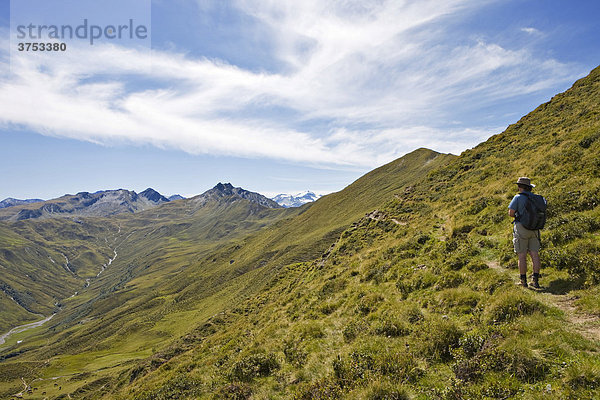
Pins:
x,y
10,202
106,203
295,200
100,204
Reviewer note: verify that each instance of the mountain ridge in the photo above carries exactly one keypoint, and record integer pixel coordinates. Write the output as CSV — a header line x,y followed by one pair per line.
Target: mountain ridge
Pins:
x,y
11,202
227,190
99,204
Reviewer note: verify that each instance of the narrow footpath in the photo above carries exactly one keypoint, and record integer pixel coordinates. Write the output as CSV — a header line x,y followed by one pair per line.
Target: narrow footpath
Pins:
x,y
586,324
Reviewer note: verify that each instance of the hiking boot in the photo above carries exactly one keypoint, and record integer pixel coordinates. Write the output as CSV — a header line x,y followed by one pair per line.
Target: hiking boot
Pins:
x,y
524,282
536,278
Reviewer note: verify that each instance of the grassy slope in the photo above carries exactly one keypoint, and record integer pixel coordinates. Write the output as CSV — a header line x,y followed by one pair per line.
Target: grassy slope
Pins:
x,y
29,245
162,285
307,235
412,308
32,256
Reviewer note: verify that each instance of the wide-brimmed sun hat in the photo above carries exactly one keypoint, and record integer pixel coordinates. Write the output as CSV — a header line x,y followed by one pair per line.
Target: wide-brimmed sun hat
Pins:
x,y
525,181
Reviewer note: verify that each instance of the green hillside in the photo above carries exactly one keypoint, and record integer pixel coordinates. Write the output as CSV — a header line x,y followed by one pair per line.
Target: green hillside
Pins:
x,y
46,262
34,254
400,286
180,263
419,300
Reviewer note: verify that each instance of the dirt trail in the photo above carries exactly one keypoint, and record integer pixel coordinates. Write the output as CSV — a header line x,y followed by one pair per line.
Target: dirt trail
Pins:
x,y
586,324
380,216
26,389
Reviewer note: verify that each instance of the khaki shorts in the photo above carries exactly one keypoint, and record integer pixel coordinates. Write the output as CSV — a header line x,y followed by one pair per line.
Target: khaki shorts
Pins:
x,y
525,240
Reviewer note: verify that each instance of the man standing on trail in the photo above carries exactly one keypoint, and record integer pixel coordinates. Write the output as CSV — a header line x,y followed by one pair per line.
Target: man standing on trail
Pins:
x,y
525,240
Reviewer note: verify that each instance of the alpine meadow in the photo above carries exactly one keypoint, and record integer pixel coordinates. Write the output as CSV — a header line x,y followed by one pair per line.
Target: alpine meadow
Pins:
x,y
400,286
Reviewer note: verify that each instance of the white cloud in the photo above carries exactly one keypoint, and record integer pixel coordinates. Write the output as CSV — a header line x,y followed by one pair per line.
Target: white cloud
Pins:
x,y
531,31
383,66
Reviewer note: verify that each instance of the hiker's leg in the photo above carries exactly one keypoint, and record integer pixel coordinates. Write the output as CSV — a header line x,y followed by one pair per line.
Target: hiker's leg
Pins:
x,y
523,263
535,259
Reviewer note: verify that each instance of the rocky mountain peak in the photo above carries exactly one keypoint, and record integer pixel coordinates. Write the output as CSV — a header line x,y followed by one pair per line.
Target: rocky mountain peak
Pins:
x,y
153,196
224,190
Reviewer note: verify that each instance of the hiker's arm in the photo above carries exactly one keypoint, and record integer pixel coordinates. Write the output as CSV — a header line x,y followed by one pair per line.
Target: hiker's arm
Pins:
x,y
511,212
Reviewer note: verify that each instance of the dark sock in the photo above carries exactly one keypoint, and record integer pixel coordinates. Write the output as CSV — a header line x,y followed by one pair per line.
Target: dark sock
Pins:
x,y
523,276
536,275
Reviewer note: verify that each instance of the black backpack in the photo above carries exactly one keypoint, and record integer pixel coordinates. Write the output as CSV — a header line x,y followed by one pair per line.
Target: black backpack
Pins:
x,y
534,217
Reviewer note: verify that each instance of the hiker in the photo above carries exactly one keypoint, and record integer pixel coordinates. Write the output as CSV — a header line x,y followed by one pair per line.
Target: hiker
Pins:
x,y
526,240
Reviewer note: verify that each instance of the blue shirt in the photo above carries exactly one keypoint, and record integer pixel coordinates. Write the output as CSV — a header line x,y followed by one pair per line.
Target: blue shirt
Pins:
x,y
518,204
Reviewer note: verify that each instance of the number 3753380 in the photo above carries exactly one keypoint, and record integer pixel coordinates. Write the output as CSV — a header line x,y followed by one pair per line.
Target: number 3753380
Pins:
x,y
27,46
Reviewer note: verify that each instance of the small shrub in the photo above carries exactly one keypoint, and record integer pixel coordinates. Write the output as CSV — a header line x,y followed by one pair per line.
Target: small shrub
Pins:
x,y
456,262
475,266
294,354
470,358
420,279
467,369
519,362
310,330
369,303
353,329
422,239
478,355
333,286
181,386
583,374
254,366
501,389
586,264
386,391
438,339
564,230
478,206
457,300
390,327
235,391
449,279
329,307
472,342
577,200
350,370
377,272
460,231
324,389
488,281
486,243
401,366
587,141
511,304
412,313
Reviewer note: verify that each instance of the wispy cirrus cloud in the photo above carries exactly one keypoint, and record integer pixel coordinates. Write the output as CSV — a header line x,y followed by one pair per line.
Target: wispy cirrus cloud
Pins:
x,y
361,84
531,30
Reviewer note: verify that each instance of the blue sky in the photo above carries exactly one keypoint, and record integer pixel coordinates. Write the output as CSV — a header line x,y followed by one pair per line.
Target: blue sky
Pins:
x,y
276,96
